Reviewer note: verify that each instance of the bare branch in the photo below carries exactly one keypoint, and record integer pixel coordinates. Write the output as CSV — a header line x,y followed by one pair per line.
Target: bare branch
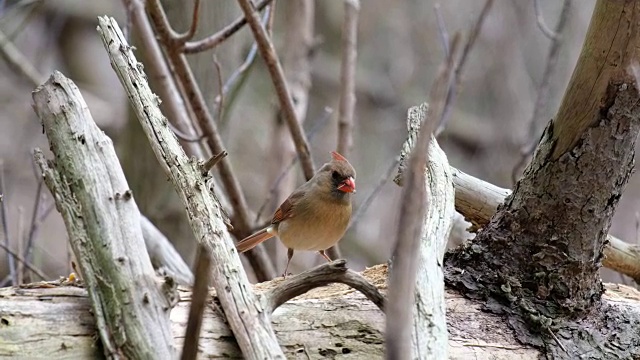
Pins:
x,y
194,24
220,98
20,237
219,37
24,262
452,93
265,46
16,60
542,25
541,106
364,205
442,30
184,137
236,78
261,263
5,226
402,280
325,274
159,70
250,326
198,303
348,76
35,216
319,125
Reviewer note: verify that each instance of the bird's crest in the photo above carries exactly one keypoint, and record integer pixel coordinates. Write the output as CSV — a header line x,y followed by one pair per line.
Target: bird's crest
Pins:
x,y
338,157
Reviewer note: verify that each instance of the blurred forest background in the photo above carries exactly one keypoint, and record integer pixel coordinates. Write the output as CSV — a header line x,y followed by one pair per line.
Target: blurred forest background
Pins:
x,y
399,53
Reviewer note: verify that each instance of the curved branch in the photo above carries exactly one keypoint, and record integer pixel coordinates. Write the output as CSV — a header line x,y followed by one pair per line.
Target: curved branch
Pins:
x,y
222,35
325,274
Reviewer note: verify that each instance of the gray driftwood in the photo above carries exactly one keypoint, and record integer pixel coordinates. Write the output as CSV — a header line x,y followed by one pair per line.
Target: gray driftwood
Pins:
x,y
429,335
243,309
103,222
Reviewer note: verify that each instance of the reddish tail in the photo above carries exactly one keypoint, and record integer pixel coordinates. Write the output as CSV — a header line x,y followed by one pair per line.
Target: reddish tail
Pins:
x,y
252,241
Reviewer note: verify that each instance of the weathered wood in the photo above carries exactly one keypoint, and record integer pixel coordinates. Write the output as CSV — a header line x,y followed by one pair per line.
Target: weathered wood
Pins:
x,y
429,335
243,309
39,322
103,223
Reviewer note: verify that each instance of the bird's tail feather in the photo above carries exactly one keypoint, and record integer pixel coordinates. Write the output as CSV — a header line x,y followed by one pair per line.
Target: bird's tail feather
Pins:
x,y
252,241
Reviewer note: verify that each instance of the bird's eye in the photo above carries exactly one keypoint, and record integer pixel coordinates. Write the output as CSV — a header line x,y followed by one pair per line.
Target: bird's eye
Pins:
x,y
335,175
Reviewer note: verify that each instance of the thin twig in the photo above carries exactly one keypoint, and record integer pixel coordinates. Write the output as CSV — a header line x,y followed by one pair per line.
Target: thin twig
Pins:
x,y
35,215
185,137
222,35
158,69
16,60
348,87
194,25
558,341
442,30
454,86
220,98
402,279
246,64
5,228
319,125
198,303
348,76
542,25
268,53
543,96
46,212
28,265
325,274
20,237
209,164
262,265
364,205
271,16
637,242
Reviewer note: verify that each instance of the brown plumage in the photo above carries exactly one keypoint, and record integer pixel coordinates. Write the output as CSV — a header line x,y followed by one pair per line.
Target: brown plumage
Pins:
x,y
316,215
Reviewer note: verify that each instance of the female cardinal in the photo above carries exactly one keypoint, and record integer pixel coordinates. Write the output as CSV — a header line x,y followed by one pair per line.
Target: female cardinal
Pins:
x,y
316,215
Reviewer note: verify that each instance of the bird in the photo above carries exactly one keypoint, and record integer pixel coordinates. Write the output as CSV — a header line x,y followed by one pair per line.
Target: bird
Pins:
x,y
316,215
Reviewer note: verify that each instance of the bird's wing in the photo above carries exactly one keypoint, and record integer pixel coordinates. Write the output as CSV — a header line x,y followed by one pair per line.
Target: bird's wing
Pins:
x,y
285,210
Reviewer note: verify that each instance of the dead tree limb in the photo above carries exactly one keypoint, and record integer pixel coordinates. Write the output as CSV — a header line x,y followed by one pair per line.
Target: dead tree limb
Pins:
x,y
131,309
429,337
332,321
242,308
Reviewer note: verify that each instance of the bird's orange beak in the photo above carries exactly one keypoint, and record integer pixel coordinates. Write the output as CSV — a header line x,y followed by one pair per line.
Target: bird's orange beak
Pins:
x,y
348,185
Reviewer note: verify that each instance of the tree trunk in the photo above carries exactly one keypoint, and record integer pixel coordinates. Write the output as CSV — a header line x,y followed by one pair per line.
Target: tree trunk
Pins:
x,y
537,260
